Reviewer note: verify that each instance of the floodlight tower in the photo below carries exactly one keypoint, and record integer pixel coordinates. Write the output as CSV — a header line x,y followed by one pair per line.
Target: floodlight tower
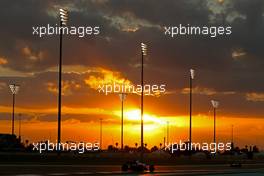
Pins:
x,y
63,22
215,105
143,53
19,127
122,97
168,127
232,133
192,74
232,136
101,134
14,89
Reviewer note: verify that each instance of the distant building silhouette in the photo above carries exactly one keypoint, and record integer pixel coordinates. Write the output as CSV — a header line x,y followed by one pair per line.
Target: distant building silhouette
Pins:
x,y
9,142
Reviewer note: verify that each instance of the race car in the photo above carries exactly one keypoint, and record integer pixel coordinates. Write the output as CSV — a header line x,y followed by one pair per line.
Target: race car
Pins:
x,y
137,167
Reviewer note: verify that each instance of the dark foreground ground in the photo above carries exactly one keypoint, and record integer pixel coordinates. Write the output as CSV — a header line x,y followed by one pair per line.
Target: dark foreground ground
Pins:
x,y
34,164
45,170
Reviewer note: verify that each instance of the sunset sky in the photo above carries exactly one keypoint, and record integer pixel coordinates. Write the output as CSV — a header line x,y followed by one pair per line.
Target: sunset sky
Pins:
x,y
228,69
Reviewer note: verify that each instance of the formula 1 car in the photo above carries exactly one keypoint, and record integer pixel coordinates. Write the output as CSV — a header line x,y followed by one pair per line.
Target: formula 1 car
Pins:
x,y
137,167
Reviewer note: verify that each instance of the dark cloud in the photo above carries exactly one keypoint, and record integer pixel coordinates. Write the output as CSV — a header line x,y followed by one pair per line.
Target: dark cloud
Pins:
x,y
169,60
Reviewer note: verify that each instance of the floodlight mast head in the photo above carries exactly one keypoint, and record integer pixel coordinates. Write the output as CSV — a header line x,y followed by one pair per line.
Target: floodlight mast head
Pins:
x,y
215,103
192,73
14,88
144,49
63,16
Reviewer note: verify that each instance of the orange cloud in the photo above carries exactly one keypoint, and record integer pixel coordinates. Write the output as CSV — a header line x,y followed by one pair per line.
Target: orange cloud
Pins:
x,y
205,91
255,96
100,77
128,22
199,90
3,61
29,54
103,76
67,87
